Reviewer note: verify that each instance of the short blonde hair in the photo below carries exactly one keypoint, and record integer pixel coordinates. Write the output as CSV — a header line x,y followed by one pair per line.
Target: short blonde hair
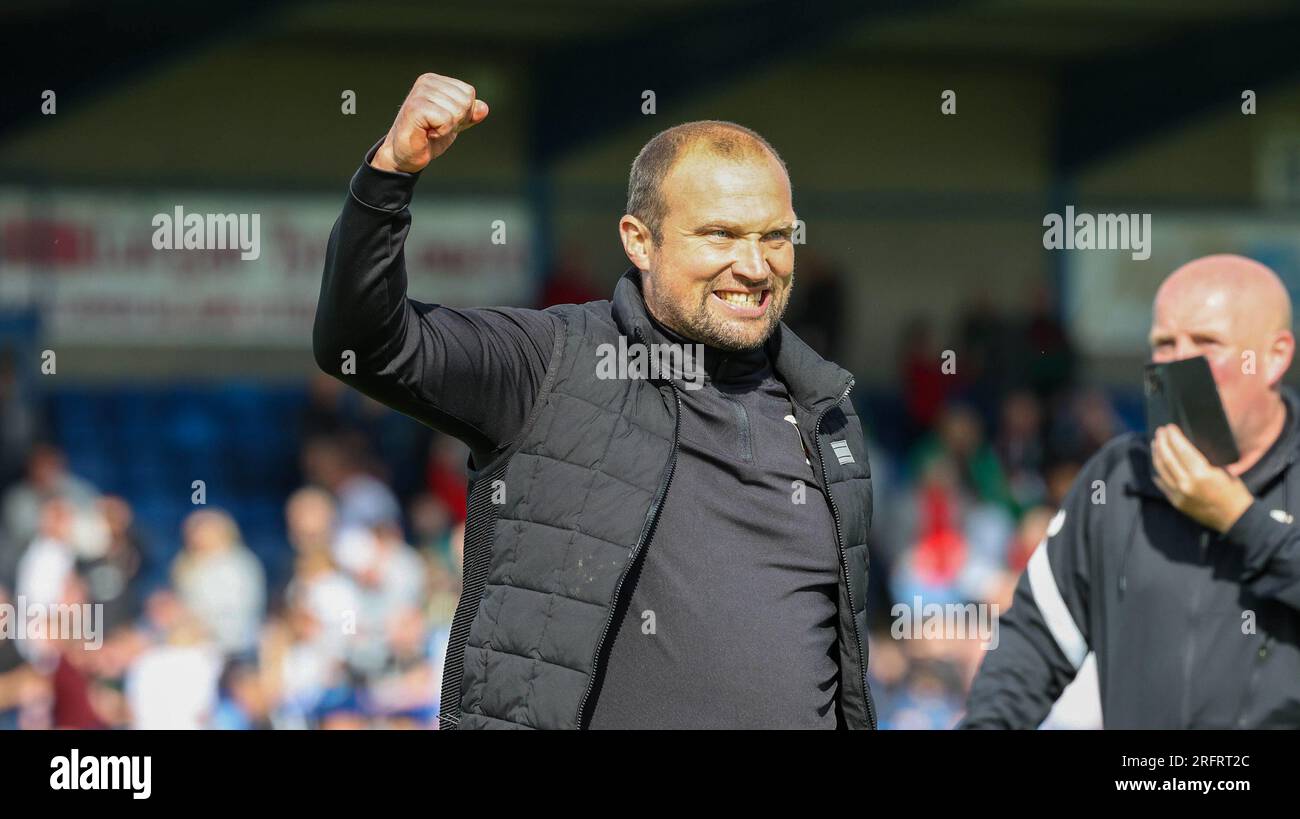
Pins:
x,y
645,199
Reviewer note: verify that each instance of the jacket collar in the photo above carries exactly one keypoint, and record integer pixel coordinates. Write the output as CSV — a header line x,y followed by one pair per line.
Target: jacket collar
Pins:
x,y
811,379
1275,462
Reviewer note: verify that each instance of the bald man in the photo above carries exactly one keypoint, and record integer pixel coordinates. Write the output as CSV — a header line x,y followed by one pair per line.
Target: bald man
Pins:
x,y
670,492
1182,577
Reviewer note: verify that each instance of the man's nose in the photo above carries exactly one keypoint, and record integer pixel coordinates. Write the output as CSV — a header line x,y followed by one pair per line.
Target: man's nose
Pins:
x,y
750,262
1185,348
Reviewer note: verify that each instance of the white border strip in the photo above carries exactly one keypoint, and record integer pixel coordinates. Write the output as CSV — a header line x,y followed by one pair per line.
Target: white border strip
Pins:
x,y
1059,620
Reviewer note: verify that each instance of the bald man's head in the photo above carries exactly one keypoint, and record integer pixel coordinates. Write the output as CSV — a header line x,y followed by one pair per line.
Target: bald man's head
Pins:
x,y
1249,294
1237,313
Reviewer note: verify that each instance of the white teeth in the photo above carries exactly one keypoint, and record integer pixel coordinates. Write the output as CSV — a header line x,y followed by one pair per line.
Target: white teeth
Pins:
x,y
742,299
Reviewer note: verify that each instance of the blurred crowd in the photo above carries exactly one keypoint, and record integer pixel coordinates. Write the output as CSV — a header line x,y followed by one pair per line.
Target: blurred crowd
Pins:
x,y
991,430
971,453
354,638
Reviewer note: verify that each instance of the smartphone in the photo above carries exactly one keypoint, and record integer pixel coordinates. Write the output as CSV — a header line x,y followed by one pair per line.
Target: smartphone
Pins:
x,y
1183,393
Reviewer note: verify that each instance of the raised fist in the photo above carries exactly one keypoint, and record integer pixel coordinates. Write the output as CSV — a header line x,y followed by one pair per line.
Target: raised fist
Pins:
x,y
433,115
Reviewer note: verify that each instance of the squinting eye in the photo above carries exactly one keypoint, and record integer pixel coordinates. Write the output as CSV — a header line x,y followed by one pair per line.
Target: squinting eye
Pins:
x,y
720,233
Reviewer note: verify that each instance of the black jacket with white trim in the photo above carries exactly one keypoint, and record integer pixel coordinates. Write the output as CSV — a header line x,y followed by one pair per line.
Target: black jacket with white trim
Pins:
x,y
1191,628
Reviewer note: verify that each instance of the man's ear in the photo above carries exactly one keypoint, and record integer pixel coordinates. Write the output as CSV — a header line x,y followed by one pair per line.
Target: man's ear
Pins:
x,y
638,243
1280,353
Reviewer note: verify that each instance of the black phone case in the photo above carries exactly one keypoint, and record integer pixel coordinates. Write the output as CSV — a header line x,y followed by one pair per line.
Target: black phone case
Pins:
x,y
1183,393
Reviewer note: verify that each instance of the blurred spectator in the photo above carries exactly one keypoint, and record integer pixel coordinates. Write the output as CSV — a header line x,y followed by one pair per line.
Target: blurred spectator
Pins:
x,y
444,589
816,312
930,699
21,686
1052,358
123,645
297,667
959,437
173,684
983,337
391,578
47,477
47,565
1019,448
220,581
329,595
404,690
72,686
113,577
324,415
446,476
18,423
362,499
242,704
1030,532
1060,476
925,386
431,525
568,281
1089,420
937,547
309,521
955,545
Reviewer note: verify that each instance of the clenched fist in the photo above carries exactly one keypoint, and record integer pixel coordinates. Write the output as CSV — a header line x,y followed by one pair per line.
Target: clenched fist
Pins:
x,y
433,115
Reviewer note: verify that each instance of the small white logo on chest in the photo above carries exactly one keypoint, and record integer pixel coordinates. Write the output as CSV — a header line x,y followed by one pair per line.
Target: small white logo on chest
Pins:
x,y
842,452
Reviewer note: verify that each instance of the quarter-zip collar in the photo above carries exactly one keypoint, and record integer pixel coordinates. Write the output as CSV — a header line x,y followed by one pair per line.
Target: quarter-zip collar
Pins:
x,y
812,381
721,367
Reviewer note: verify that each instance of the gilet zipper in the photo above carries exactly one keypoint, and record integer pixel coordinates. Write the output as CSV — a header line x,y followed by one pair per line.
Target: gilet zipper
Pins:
x,y
647,532
844,561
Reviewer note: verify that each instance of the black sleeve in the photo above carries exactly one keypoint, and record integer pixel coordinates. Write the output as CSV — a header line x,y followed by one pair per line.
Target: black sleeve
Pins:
x,y
1271,546
471,373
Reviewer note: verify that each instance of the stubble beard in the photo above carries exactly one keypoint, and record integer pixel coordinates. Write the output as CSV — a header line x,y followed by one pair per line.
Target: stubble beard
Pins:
x,y
700,324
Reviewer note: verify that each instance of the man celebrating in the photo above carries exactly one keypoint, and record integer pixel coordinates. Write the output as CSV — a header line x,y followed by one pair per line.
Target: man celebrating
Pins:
x,y
1182,577
661,550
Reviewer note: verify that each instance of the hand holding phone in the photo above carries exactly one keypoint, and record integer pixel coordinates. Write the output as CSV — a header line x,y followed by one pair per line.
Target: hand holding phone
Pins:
x,y
1183,393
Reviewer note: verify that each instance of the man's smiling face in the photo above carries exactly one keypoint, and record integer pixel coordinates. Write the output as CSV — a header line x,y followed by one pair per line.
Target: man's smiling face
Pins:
x,y
724,267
